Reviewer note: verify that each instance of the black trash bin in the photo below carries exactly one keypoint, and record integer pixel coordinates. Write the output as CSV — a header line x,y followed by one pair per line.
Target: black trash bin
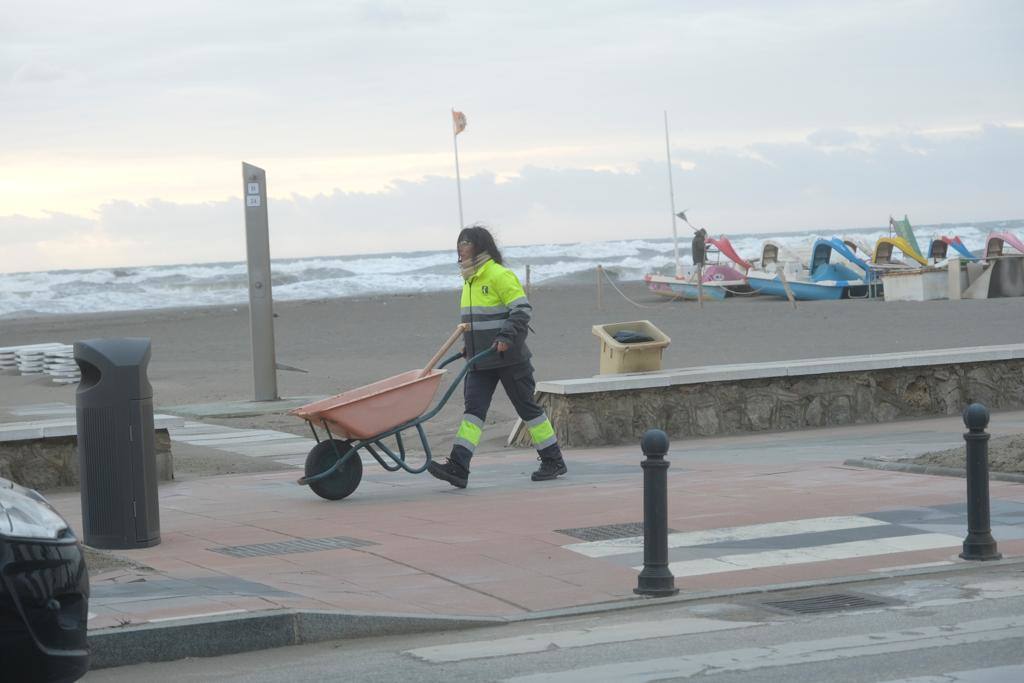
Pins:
x,y
116,444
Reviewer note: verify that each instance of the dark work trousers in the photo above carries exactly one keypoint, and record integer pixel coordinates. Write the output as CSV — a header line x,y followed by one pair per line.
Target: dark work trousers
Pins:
x,y
479,389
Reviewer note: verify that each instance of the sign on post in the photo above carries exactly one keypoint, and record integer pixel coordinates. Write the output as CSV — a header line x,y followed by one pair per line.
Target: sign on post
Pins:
x,y
261,303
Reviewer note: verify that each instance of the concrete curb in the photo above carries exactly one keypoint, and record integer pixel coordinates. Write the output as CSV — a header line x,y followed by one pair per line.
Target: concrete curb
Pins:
x,y
928,469
681,597
232,634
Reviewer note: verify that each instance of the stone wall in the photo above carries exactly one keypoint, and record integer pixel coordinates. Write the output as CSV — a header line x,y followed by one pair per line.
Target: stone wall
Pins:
x,y
52,462
781,403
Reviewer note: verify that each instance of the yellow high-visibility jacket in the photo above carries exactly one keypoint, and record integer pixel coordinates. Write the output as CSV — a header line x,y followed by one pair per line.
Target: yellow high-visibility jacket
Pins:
x,y
495,306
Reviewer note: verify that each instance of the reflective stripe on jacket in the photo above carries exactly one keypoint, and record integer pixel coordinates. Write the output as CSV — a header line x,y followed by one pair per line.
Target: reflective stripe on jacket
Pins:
x,y
495,306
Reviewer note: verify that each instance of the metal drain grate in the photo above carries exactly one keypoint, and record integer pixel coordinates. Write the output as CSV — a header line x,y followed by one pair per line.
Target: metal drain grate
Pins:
x,y
834,602
302,545
606,532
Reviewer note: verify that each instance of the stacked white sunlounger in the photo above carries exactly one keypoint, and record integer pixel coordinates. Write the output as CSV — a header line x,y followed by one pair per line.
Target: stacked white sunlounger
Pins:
x,y
53,358
8,360
60,364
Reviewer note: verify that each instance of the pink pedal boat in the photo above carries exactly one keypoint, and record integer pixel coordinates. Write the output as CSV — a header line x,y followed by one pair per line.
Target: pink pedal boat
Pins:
x,y
717,280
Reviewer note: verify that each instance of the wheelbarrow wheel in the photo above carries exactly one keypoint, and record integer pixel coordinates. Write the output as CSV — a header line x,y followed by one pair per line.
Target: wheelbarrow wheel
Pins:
x,y
344,480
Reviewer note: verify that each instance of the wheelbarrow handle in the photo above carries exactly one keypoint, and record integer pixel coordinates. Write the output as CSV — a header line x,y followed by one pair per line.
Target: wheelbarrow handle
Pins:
x,y
452,359
459,330
480,356
449,361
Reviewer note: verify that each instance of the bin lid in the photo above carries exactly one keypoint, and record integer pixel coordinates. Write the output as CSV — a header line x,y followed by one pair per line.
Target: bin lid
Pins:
x,y
114,368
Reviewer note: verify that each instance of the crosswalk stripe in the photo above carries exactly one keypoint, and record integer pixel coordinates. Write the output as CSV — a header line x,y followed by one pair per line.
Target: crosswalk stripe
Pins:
x,y
518,645
230,439
635,544
281,447
218,436
820,553
252,443
788,654
1014,672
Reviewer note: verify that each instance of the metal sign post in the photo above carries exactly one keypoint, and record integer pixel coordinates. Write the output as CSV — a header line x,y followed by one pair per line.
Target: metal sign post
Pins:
x,y
261,302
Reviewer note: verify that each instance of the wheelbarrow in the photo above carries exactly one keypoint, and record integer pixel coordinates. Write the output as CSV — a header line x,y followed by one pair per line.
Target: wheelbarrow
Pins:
x,y
360,419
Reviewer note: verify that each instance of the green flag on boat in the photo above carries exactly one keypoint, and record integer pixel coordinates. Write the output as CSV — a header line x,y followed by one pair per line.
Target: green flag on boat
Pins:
x,y
902,229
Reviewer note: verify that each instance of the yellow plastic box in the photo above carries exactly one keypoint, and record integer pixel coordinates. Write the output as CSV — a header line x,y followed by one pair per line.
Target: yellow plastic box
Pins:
x,y
617,358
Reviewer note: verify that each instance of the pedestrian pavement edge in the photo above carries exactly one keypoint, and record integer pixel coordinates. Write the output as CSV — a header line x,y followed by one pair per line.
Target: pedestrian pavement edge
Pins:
x,y
913,468
219,635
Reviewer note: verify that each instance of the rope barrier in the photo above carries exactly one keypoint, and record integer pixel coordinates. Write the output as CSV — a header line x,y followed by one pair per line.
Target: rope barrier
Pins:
x,y
677,297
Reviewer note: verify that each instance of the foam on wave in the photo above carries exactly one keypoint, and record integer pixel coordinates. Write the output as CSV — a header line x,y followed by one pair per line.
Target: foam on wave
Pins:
x,y
205,284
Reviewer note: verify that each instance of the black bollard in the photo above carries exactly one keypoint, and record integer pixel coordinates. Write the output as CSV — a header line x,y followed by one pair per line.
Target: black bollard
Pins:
x,y
979,544
655,578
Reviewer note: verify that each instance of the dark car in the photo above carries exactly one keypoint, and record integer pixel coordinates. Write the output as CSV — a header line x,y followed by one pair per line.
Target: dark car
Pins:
x,y
44,591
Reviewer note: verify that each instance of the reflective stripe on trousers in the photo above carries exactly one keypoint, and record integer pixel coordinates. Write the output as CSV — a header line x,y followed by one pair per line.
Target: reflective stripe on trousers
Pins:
x,y
470,430
542,433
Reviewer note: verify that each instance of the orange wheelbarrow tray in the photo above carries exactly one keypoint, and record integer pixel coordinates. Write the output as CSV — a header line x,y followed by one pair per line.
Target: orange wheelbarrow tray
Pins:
x,y
360,419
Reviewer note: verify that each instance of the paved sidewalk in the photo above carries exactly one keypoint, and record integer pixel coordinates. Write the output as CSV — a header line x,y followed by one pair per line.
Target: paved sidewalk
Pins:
x,y
746,512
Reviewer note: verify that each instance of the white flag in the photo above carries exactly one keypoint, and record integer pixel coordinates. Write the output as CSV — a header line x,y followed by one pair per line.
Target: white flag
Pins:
x,y
458,121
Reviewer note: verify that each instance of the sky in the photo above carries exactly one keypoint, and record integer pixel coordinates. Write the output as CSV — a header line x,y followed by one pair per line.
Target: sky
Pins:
x,y
123,125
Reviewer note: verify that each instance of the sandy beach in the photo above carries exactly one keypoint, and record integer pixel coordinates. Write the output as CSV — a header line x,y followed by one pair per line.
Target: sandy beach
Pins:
x,y
202,355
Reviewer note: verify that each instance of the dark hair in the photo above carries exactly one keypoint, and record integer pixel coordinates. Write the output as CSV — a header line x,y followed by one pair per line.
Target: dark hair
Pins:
x,y
482,241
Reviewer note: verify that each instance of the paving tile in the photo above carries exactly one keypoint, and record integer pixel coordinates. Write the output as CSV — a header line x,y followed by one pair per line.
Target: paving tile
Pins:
x,y
378,603
451,599
617,581
146,610
730,580
541,593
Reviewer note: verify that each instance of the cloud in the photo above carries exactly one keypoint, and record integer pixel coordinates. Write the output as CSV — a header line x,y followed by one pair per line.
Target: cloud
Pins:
x,y
37,72
17,231
835,137
390,15
768,187
245,78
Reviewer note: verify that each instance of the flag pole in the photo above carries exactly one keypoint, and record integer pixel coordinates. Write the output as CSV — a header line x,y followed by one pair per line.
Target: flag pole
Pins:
x,y
672,201
458,177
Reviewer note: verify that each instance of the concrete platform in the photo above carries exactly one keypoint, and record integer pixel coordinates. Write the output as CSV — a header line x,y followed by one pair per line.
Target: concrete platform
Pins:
x,y
781,395
788,368
42,452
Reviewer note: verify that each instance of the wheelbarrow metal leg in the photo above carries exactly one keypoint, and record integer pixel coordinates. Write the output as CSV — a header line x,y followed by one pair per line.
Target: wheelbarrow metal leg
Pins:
x,y
426,446
379,459
399,458
401,446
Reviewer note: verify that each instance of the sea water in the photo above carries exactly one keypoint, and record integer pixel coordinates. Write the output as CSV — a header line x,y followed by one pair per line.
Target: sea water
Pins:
x,y
208,284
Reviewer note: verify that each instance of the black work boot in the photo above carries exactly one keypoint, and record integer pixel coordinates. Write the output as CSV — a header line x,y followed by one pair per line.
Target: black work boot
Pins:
x,y
549,468
449,471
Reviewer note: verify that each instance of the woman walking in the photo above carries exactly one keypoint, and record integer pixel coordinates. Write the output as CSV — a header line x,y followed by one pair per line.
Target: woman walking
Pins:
x,y
495,306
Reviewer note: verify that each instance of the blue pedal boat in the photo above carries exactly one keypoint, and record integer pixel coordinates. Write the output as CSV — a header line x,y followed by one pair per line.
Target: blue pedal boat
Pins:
x,y
824,280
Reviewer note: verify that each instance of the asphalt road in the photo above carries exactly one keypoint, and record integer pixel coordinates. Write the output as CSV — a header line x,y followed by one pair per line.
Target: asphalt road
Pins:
x,y
963,626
